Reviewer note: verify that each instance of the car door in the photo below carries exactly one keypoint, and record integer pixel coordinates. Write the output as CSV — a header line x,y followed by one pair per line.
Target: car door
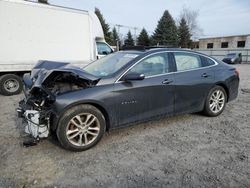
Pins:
x,y
143,99
194,78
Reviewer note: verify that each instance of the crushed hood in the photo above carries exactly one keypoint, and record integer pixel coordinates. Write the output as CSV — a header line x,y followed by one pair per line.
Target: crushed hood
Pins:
x,y
44,70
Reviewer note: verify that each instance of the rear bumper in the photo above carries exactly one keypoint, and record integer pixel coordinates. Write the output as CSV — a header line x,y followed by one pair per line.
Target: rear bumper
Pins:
x,y
233,89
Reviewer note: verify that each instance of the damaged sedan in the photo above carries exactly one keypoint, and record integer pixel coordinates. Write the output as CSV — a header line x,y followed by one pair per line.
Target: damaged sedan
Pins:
x,y
80,104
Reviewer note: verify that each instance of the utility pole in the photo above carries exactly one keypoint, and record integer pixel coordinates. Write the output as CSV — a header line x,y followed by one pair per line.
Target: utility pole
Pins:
x,y
135,28
117,42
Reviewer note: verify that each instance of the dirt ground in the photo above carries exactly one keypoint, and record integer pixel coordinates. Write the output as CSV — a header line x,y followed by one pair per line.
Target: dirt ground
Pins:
x,y
184,151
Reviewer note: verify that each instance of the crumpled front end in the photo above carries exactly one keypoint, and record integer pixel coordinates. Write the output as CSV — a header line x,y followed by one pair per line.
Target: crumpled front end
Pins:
x,y
36,110
47,81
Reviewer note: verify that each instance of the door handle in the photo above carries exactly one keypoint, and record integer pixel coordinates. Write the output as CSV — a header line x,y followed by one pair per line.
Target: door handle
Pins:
x,y
205,75
167,81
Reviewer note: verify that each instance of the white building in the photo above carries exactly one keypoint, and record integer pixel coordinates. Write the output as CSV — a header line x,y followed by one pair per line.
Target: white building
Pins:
x,y
219,47
230,42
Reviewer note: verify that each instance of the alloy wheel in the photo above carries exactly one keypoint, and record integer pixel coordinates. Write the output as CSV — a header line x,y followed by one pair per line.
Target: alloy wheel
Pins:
x,y
83,129
217,101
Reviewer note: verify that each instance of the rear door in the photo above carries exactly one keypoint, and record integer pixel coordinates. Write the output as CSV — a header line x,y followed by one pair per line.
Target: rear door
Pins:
x,y
194,78
143,99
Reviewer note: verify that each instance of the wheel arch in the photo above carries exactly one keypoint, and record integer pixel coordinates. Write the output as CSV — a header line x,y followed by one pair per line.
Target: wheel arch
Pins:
x,y
104,111
224,86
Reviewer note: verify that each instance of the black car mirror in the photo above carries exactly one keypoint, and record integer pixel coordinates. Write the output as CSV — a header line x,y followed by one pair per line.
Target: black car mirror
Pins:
x,y
133,76
105,53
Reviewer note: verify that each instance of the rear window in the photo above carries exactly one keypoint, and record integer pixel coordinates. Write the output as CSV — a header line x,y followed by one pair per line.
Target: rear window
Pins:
x,y
207,61
231,55
187,61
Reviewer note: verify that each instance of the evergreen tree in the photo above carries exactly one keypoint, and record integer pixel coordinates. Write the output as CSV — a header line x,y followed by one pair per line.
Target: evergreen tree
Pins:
x,y
143,38
105,26
184,34
129,40
115,37
166,31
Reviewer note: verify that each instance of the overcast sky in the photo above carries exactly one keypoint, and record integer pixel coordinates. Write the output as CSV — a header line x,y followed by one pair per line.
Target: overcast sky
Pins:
x,y
216,18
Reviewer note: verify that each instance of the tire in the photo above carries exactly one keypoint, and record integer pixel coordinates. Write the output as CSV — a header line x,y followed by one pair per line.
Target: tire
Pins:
x,y
10,84
74,127
214,106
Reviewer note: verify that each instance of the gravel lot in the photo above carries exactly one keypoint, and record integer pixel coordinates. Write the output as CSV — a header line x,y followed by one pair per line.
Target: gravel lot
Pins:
x,y
184,151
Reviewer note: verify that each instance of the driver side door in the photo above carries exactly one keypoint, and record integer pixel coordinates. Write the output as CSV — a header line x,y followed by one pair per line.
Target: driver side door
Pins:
x,y
138,100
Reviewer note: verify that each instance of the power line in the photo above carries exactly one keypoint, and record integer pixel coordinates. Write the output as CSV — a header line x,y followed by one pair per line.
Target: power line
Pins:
x,y
135,29
119,26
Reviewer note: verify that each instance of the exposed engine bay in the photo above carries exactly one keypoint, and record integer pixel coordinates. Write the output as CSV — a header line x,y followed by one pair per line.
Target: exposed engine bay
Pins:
x,y
47,81
60,83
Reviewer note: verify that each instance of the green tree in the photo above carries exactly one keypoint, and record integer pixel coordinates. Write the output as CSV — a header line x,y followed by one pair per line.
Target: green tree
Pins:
x,y
143,38
166,31
43,1
105,26
129,40
184,34
115,37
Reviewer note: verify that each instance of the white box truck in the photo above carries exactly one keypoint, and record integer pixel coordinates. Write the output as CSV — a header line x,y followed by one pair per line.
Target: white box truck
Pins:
x,y
31,31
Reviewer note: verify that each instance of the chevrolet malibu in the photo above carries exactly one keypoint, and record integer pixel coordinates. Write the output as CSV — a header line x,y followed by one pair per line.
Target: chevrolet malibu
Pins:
x,y
121,89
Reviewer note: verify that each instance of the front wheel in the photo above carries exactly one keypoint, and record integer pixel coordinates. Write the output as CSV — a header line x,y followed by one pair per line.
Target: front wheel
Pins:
x,y
215,101
81,128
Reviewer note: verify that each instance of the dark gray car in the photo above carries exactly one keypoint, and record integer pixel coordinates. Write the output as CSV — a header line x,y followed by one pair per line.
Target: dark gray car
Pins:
x,y
123,88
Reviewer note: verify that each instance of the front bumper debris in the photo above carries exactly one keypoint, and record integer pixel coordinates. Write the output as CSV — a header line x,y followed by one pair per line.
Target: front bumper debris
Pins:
x,y
37,122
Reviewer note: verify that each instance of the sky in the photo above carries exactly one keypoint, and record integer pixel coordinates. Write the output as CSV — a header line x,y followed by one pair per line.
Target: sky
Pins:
x,y
216,17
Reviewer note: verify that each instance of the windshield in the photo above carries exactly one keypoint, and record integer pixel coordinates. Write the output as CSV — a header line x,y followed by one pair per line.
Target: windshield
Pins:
x,y
109,64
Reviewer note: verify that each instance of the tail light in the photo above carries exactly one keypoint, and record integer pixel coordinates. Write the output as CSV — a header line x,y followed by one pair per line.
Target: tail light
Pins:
x,y
237,72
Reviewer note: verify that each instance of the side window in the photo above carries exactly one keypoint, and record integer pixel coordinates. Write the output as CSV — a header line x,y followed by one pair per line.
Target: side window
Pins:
x,y
207,62
187,61
103,49
153,65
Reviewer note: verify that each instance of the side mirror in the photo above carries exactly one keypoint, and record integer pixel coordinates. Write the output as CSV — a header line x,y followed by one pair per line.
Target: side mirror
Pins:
x,y
105,53
133,76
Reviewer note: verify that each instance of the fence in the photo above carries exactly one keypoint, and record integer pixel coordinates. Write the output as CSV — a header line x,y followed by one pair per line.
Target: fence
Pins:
x,y
220,53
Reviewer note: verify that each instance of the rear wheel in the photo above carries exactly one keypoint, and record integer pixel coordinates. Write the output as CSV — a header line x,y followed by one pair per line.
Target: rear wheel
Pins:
x,y
81,128
215,102
10,84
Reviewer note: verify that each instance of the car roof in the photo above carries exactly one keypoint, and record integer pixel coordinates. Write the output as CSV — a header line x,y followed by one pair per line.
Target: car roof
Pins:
x,y
155,49
161,49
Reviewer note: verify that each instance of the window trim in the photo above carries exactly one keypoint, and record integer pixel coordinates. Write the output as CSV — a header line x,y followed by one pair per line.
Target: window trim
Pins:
x,y
125,72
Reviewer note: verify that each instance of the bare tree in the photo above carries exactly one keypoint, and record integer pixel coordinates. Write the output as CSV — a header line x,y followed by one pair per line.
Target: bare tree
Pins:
x,y
191,18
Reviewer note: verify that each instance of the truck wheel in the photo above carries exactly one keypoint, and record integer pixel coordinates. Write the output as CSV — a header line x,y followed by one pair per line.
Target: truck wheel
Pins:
x,y
10,84
81,128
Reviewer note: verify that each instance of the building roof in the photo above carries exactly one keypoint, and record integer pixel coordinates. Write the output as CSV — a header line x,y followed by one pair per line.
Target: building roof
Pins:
x,y
217,37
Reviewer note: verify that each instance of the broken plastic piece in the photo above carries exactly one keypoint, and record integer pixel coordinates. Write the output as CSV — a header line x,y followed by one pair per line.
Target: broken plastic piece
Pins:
x,y
31,142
